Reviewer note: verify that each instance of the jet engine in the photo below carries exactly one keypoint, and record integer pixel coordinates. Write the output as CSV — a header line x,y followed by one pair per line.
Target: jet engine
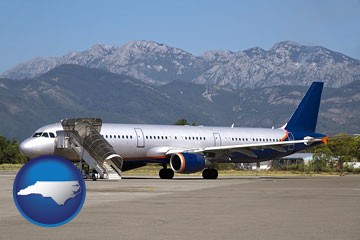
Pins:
x,y
187,162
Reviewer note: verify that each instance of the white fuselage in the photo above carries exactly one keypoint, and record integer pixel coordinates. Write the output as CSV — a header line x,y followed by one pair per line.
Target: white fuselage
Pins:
x,y
137,141
142,142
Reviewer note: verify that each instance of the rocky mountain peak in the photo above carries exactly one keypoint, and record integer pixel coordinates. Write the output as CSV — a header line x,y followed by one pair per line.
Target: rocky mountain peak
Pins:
x,y
102,49
155,63
145,46
309,54
218,56
286,45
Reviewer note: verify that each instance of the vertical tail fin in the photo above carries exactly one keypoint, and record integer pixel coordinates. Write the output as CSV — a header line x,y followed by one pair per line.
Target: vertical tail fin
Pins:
x,y
304,118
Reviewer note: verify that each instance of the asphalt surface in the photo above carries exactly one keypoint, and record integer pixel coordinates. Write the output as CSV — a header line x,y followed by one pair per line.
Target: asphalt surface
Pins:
x,y
193,208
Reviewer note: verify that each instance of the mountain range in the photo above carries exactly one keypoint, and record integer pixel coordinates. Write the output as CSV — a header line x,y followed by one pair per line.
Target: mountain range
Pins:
x,y
286,63
72,90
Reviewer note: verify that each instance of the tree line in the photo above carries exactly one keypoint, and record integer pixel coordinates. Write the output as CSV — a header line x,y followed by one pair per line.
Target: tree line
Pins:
x,y
340,149
10,153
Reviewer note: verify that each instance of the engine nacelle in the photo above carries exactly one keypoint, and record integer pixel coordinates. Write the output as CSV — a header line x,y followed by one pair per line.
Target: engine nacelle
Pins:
x,y
187,162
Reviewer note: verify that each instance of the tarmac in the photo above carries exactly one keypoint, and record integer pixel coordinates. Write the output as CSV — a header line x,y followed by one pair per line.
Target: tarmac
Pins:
x,y
193,208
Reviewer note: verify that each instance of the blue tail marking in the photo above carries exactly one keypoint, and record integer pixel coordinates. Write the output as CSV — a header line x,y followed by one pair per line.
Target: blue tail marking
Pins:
x,y
305,117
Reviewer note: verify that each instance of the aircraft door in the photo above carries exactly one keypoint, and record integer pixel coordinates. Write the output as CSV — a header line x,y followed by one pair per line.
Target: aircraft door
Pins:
x,y
140,137
217,139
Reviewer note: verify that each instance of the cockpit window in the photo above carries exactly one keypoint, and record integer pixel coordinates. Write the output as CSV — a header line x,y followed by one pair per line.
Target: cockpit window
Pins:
x,y
44,134
37,134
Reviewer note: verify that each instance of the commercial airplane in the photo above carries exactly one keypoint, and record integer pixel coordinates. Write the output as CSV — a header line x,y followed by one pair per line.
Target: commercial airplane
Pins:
x,y
189,149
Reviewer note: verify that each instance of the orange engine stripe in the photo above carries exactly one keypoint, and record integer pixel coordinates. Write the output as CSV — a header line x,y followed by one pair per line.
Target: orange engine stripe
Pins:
x,y
286,135
183,163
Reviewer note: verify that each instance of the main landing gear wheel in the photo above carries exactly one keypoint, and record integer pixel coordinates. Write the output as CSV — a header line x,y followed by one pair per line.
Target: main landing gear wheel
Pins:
x,y
166,173
93,177
210,173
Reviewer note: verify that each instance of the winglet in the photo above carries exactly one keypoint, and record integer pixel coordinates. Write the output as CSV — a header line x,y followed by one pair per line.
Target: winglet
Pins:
x,y
325,140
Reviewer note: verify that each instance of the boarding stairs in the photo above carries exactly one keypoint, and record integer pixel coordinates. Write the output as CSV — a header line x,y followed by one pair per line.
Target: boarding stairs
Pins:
x,y
82,135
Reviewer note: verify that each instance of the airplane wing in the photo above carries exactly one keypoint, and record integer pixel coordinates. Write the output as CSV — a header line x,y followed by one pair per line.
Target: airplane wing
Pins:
x,y
247,148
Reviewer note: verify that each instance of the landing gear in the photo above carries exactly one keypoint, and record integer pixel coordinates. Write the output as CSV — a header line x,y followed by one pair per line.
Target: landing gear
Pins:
x,y
210,173
166,173
93,177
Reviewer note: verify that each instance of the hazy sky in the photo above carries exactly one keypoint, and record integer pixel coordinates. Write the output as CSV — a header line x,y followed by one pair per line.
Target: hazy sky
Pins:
x,y
33,28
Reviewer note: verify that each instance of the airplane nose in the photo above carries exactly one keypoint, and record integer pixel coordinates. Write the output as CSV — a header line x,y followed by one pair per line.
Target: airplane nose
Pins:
x,y
27,147
34,147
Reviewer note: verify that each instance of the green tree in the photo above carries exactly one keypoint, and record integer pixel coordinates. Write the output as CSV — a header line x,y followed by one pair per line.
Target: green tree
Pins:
x,y
344,148
322,157
184,122
357,147
9,152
